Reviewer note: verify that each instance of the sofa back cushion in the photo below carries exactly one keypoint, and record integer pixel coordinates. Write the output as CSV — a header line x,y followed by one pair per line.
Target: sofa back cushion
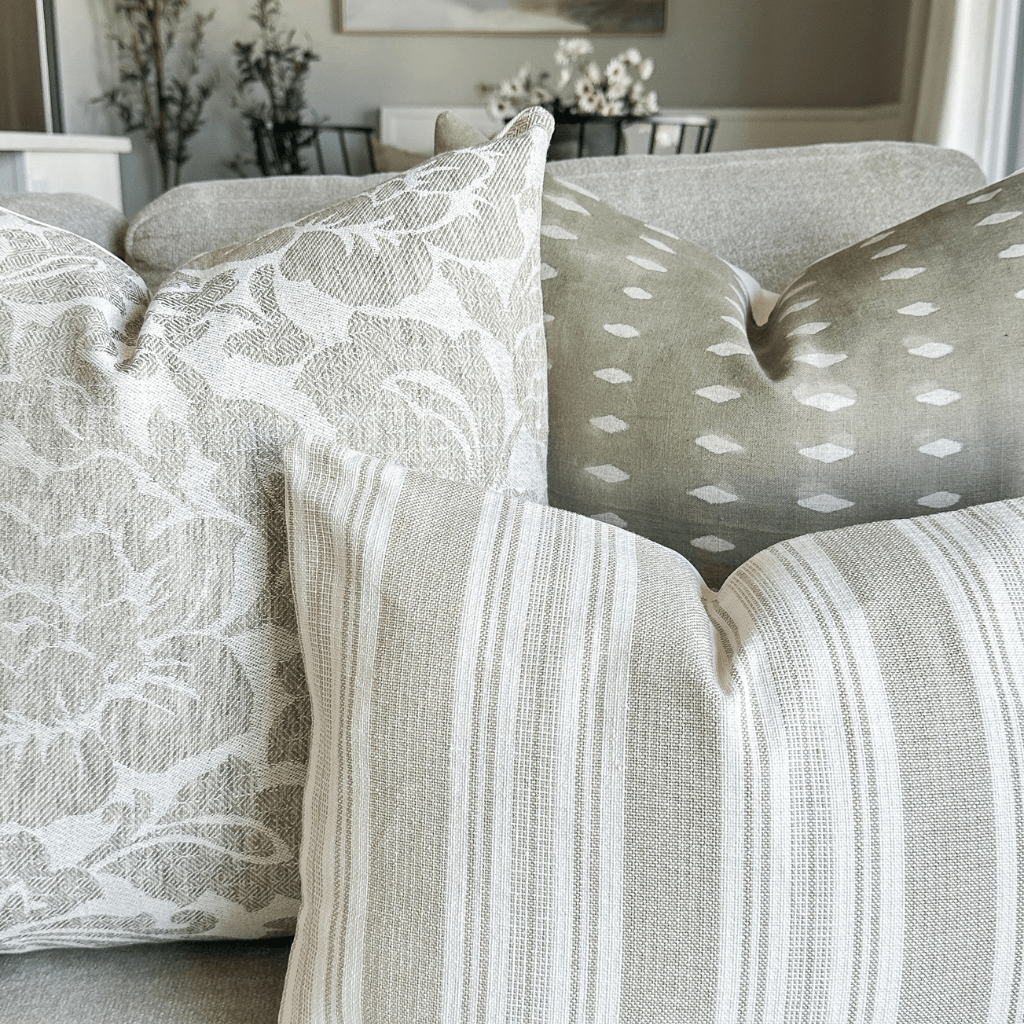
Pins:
x,y
84,215
205,215
774,211
153,710
770,211
601,793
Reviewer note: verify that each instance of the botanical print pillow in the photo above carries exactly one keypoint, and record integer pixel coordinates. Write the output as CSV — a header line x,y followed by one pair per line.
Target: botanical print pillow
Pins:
x,y
884,384
553,778
155,715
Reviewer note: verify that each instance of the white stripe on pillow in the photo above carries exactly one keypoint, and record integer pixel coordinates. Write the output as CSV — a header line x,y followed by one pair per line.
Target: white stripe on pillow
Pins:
x,y
555,779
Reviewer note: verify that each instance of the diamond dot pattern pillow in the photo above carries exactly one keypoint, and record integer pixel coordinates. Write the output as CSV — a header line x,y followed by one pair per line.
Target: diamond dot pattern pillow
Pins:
x,y
155,715
553,778
883,385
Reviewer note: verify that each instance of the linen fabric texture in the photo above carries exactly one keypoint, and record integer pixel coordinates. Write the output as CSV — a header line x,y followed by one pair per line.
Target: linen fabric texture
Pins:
x,y
553,778
202,216
87,216
155,717
883,385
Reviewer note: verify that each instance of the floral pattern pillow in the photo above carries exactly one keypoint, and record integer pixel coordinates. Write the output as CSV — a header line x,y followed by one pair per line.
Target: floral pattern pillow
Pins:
x,y
155,716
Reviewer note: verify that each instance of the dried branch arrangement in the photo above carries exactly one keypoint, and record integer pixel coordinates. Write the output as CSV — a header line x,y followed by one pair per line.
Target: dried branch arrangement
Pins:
x,y
160,91
276,68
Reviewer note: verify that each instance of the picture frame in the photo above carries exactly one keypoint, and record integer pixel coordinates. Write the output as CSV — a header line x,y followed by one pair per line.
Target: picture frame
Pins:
x,y
502,17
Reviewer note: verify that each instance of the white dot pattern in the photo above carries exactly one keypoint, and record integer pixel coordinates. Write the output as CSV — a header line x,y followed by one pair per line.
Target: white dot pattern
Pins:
x,y
821,360
825,503
610,424
646,264
806,330
729,348
608,473
613,375
891,251
718,393
622,330
554,231
919,309
999,218
794,376
713,495
827,452
942,448
567,204
718,445
828,401
657,244
931,350
662,231
710,542
940,499
797,306
940,396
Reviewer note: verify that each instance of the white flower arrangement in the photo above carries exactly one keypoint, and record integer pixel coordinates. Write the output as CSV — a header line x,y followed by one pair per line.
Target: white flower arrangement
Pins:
x,y
582,88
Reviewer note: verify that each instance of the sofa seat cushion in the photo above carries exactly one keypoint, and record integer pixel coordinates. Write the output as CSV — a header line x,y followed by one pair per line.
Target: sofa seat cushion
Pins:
x,y
554,778
153,711
163,983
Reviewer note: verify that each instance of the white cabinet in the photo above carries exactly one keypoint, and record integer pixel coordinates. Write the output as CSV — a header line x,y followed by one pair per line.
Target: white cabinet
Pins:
x,y
44,162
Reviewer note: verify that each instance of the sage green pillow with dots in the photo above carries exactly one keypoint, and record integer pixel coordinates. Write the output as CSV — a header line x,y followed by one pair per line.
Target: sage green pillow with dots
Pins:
x,y
884,384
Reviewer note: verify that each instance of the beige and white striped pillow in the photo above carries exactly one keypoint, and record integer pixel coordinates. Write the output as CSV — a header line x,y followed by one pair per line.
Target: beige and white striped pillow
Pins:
x,y
555,779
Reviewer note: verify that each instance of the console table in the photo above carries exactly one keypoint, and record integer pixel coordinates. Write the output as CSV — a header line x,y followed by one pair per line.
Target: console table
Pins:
x,y
48,162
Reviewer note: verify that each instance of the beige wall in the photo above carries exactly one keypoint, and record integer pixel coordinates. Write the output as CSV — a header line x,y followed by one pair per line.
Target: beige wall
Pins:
x,y
715,53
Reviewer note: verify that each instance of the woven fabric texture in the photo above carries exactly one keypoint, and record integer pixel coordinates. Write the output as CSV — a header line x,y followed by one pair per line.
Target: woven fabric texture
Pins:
x,y
771,212
84,215
154,712
774,211
157,983
555,779
202,216
883,385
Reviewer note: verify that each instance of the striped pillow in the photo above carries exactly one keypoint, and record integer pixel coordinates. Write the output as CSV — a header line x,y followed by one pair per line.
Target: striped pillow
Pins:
x,y
555,779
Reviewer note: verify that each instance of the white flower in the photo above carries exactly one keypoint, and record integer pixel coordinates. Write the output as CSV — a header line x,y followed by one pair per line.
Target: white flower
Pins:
x,y
646,68
538,96
609,108
649,105
586,103
563,78
499,108
631,56
594,72
576,47
617,70
618,90
585,87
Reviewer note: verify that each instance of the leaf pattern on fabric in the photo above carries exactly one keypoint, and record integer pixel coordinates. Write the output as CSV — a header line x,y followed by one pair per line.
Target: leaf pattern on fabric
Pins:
x,y
154,718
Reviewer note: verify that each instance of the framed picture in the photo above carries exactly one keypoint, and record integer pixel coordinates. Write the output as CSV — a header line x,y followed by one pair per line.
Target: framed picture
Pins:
x,y
512,17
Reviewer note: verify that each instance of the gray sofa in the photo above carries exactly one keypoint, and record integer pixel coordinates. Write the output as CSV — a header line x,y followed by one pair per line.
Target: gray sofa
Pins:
x,y
771,212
